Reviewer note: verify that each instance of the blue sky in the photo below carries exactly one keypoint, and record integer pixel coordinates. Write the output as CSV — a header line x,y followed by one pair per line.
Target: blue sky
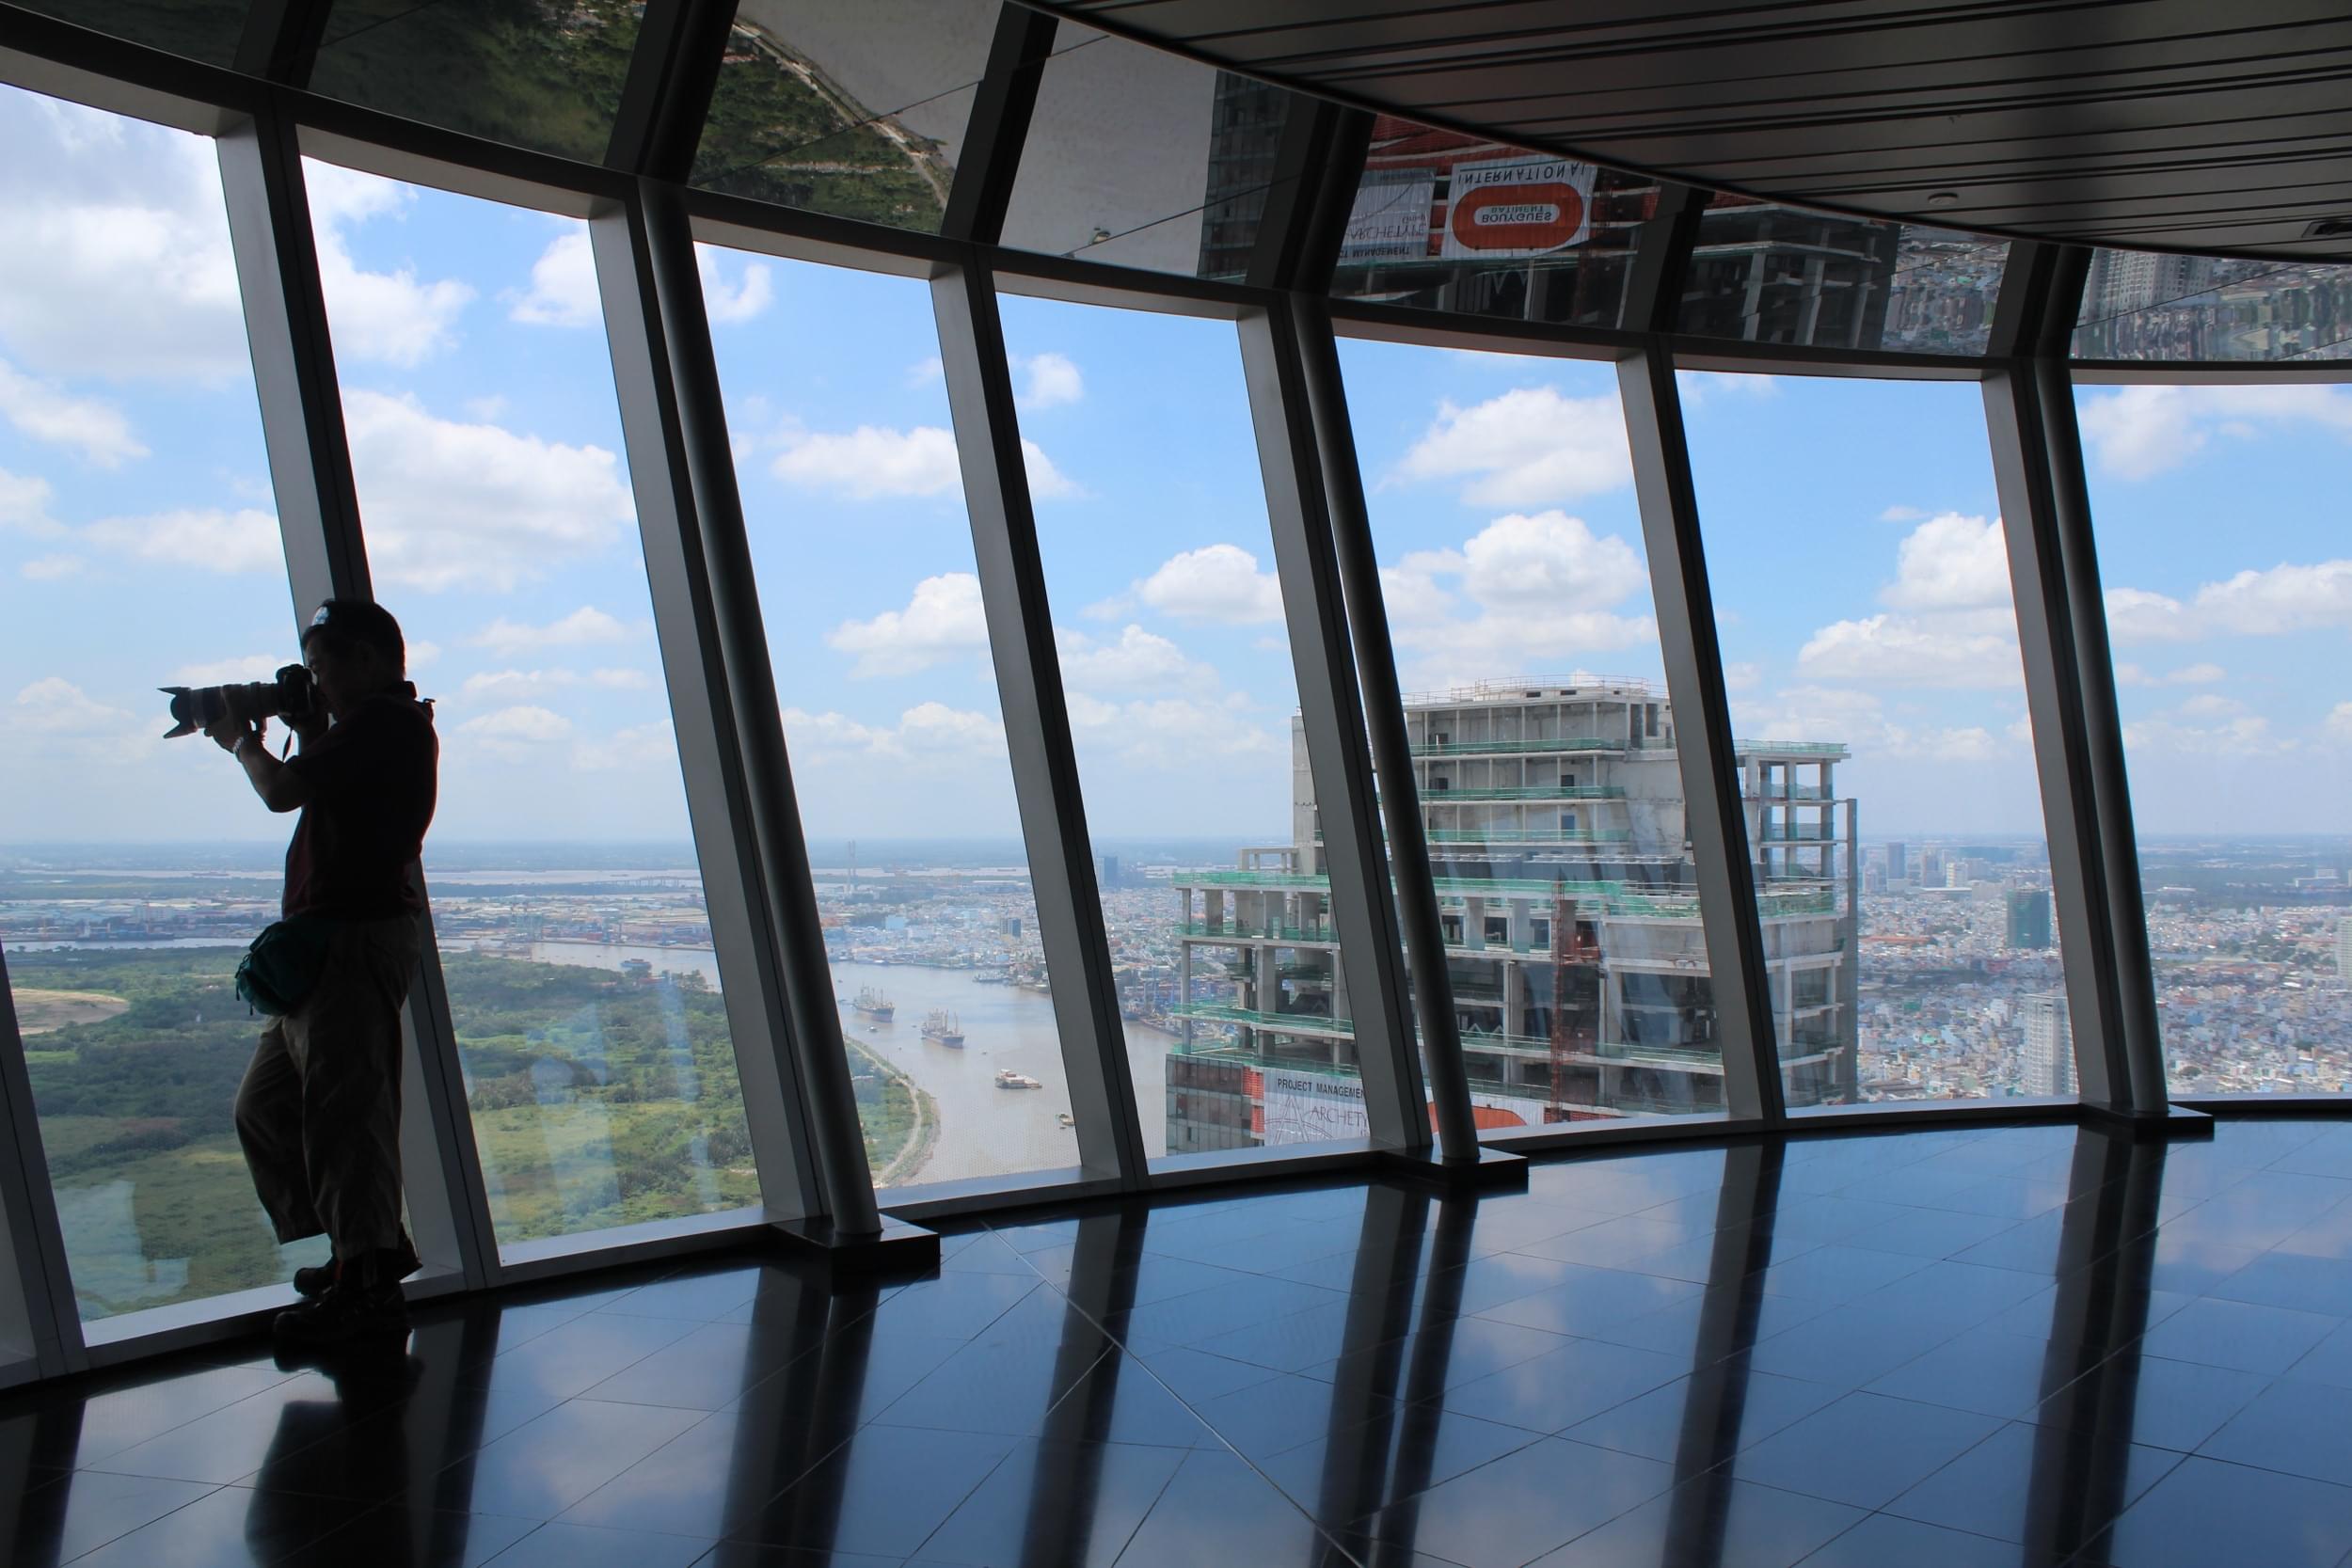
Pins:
x,y
1851,526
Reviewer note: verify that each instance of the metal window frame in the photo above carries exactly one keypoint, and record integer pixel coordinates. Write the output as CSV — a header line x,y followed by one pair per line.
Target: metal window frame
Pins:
x,y
266,120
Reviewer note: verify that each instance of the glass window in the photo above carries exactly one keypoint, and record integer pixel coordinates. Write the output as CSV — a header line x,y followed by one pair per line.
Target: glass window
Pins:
x,y
139,548
204,30
2145,305
543,76
1151,518
1146,159
2229,591
1764,273
1518,596
1894,812
566,896
1449,221
858,111
871,601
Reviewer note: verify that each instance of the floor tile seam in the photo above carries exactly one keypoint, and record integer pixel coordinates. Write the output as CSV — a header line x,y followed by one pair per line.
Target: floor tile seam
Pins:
x,y
2199,1452
1120,1345
1157,1498
881,1417
2000,1425
581,1501
143,1523
166,1432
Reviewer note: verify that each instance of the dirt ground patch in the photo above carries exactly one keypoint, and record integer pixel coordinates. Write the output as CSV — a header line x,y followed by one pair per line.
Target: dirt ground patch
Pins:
x,y
38,1012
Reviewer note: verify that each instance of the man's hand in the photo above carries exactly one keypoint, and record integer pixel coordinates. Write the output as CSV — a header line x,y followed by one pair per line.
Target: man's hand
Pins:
x,y
228,733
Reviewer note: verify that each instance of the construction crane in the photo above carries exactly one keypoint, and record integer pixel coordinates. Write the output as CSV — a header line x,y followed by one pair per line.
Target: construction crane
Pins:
x,y
1575,1003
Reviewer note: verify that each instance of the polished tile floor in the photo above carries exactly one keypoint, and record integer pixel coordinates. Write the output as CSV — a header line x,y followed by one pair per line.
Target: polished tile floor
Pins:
x,y
1930,1350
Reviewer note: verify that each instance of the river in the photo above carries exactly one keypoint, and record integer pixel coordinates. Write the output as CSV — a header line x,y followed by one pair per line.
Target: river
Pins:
x,y
983,1131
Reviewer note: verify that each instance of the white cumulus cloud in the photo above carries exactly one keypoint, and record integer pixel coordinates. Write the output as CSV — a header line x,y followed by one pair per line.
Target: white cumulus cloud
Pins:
x,y
393,318
1951,562
637,746
943,619
24,505
2288,597
728,303
453,504
1525,448
932,736
2137,433
1048,381
1135,660
872,461
582,626
118,262
1965,651
52,568
96,430
1217,583
515,732
227,671
208,538
1549,559
1522,593
562,290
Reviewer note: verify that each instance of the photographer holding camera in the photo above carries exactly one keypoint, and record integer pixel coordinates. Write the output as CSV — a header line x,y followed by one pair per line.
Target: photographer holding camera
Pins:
x,y
319,1110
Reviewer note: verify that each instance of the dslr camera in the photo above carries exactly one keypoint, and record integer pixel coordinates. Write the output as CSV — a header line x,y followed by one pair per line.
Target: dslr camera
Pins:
x,y
290,694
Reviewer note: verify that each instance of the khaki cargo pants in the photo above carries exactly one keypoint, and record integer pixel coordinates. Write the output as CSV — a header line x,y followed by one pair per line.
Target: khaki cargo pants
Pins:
x,y
319,1110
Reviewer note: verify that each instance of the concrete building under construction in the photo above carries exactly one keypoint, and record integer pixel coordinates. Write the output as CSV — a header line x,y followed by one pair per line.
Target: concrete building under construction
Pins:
x,y
1553,811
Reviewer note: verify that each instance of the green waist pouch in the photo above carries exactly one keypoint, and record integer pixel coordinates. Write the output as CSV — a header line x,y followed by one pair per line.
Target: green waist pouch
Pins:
x,y
282,967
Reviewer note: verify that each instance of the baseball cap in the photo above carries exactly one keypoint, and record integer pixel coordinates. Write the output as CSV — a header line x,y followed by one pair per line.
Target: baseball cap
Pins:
x,y
358,621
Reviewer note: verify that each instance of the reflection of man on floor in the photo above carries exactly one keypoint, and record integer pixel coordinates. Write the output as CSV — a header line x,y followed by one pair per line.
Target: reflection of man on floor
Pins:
x,y
319,1111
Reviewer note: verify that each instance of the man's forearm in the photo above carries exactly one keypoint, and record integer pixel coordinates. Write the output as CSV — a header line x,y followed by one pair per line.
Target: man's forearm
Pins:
x,y
279,790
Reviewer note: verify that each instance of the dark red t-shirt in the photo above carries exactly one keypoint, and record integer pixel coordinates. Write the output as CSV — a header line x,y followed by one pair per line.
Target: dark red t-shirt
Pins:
x,y
372,778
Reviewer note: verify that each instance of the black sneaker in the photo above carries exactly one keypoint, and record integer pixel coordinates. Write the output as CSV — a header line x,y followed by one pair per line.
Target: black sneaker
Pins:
x,y
347,1315
316,1280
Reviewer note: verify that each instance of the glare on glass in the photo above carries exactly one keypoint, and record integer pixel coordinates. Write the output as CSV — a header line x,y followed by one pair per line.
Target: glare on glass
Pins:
x,y
2229,587
139,548
853,502
1860,575
1543,739
566,896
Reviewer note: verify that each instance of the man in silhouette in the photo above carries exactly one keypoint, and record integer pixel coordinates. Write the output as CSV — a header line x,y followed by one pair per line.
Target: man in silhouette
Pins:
x,y
319,1110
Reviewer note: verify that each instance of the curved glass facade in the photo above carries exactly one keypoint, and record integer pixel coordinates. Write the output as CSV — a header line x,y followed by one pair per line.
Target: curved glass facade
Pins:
x,y
822,488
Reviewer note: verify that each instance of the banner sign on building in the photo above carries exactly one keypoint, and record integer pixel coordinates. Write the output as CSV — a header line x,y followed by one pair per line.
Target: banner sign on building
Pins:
x,y
1319,1107
1527,206
1390,221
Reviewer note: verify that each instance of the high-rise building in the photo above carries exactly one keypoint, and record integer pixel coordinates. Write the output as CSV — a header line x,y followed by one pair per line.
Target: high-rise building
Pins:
x,y
1109,872
1566,893
2047,1067
2343,948
1930,868
2028,919
1897,860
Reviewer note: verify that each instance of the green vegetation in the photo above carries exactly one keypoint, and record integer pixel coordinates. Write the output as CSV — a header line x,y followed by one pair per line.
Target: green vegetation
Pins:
x,y
780,130
597,1100
203,30
549,75
534,73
